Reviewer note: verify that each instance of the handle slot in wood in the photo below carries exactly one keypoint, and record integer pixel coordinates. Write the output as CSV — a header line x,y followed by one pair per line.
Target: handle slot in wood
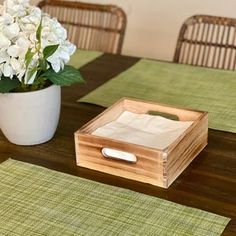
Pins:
x,y
119,155
163,114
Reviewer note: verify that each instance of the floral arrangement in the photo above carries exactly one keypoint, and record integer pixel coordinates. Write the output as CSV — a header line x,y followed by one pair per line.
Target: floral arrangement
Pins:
x,y
34,49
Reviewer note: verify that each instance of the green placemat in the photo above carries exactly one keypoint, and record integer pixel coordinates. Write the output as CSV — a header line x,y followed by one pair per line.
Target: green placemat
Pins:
x,y
192,87
82,57
38,201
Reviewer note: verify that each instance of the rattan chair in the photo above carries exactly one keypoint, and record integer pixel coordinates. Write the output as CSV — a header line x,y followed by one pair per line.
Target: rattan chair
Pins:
x,y
90,26
207,41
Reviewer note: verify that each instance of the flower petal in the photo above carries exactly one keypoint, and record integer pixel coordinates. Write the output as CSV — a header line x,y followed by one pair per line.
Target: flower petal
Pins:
x,y
4,41
7,70
56,65
15,64
14,51
4,56
12,30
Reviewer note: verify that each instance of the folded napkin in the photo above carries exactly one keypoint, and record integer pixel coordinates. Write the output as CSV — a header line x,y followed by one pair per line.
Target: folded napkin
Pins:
x,y
143,129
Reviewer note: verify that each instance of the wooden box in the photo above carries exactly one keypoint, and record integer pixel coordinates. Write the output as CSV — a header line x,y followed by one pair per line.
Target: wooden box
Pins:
x,y
153,166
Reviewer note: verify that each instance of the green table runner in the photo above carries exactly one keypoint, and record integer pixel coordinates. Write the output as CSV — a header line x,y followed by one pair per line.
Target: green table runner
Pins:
x,y
38,201
192,87
82,57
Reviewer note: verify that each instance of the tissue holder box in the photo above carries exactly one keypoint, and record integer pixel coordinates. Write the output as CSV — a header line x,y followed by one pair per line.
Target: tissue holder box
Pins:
x,y
140,163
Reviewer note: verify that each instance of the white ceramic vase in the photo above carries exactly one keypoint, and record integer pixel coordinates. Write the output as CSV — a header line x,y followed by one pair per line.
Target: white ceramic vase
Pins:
x,y
32,117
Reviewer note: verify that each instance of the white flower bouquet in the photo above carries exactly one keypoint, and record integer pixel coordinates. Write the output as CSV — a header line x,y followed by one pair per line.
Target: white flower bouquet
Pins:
x,y
34,49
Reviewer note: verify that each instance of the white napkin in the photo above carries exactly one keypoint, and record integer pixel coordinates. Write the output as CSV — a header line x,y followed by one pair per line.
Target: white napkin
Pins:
x,y
143,129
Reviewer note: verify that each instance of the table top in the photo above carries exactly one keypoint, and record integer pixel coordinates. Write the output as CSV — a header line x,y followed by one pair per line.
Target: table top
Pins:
x,y
209,183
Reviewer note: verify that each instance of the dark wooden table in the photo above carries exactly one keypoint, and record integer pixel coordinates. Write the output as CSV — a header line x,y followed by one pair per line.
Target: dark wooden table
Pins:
x,y
209,183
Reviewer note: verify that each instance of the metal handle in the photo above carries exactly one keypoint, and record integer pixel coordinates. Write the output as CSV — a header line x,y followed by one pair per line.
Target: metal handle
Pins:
x,y
119,155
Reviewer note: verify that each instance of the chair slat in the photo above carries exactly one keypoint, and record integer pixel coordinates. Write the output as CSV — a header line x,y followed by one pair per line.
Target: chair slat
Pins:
x,y
90,26
207,41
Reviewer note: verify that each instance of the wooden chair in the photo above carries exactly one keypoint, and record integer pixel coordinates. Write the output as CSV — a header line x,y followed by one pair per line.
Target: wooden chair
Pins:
x,y
90,26
207,41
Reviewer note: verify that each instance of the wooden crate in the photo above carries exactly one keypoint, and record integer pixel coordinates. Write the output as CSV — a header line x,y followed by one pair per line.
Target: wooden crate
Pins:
x,y
154,166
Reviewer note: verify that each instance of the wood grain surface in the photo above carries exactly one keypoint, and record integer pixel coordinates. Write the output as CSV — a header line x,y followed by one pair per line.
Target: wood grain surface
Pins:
x,y
155,166
209,182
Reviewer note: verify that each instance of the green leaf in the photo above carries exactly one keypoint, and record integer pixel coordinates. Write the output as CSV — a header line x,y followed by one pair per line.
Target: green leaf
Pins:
x,y
39,83
38,32
7,84
49,50
65,77
28,57
30,73
43,64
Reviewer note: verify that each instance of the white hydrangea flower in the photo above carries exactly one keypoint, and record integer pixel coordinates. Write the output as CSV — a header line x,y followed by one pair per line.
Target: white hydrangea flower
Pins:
x,y
61,56
19,22
16,8
53,33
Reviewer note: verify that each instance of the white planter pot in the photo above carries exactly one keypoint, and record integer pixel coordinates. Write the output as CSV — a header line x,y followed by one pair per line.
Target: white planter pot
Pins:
x,y
32,117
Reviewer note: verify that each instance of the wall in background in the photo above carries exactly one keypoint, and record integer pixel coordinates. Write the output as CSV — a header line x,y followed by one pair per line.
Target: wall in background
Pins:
x,y
153,25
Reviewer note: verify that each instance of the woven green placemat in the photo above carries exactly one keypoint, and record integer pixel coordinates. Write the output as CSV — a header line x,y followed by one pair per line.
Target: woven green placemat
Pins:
x,y
82,57
38,201
192,87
